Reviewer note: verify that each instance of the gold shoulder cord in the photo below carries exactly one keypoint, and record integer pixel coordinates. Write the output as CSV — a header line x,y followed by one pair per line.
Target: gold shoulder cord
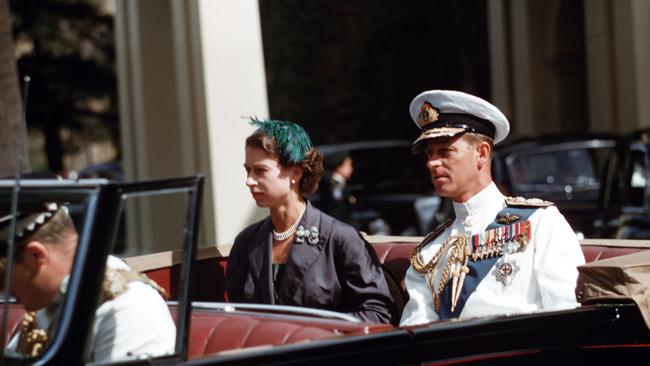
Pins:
x,y
32,341
456,266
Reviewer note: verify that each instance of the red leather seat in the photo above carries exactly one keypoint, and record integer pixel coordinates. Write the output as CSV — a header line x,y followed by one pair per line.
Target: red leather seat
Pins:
x,y
396,256
16,313
216,331
211,333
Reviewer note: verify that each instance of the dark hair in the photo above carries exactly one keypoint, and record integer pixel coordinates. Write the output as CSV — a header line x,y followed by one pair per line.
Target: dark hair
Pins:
x,y
311,164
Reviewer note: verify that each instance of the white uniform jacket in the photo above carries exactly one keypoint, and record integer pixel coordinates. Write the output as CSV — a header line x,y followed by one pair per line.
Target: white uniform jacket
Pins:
x,y
546,275
135,324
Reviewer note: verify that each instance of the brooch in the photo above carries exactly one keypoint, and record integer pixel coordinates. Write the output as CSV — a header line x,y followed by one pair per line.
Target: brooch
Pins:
x,y
505,271
310,235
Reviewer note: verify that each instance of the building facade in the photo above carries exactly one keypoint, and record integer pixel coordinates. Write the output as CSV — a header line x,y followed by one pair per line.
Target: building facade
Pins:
x,y
191,72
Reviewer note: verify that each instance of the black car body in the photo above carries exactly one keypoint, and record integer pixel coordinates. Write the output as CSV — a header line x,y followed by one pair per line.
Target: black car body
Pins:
x,y
571,171
625,199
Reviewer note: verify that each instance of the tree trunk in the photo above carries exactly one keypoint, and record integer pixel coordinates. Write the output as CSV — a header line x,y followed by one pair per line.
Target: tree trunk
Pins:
x,y
13,132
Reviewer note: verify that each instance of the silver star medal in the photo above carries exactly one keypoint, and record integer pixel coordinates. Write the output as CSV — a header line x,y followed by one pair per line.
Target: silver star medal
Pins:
x,y
505,271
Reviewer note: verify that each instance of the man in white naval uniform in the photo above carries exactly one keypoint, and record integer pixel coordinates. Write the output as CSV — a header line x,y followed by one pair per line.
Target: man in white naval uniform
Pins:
x,y
498,255
132,320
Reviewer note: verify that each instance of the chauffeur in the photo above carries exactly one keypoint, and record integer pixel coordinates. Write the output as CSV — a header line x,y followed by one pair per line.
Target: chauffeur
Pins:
x,y
497,255
132,320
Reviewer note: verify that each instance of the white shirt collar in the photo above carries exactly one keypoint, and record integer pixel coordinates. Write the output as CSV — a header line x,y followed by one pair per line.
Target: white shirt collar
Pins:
x,y
483,202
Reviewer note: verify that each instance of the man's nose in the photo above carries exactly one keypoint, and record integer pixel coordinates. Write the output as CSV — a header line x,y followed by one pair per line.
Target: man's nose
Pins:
x,y
433,162
250,181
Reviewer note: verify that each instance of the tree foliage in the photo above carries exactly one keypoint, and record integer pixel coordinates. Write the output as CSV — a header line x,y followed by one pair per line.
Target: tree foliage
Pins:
x,y
12,127
67,47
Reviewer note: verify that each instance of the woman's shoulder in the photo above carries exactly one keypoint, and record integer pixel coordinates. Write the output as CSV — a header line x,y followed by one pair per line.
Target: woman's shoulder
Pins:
x,y
335,228
252,229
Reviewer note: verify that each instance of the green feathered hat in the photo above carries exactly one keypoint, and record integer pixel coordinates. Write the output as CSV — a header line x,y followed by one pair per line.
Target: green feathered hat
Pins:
x,y
292,139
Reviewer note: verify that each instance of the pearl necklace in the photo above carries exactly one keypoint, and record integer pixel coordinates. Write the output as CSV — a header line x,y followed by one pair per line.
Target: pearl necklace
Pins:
x,y
291,230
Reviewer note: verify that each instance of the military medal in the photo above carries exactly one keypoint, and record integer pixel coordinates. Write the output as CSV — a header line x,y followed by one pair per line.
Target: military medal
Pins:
x,y
505,271
502,240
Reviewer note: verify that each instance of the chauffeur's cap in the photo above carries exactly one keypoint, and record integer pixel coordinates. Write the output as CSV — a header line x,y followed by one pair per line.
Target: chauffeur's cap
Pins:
x,y
28,221
447,113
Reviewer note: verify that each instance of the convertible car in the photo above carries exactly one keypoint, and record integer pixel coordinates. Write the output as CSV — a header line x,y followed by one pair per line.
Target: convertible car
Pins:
x,y
610,325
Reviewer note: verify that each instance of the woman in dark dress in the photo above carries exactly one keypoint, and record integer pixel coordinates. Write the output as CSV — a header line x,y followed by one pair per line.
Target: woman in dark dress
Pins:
x,y
298,255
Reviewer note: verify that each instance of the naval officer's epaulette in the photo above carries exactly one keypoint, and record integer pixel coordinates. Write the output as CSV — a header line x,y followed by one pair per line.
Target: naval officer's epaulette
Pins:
x,y
116,282
527,202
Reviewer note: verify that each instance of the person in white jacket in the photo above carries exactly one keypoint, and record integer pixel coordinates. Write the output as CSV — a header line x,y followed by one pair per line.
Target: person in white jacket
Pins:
x,y
497,255
132,320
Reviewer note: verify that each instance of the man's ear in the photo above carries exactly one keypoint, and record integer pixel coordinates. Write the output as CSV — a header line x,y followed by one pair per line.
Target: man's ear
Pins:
x,y
484,151
35,254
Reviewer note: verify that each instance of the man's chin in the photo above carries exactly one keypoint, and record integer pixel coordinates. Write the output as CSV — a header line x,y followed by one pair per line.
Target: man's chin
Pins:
x,y
441,191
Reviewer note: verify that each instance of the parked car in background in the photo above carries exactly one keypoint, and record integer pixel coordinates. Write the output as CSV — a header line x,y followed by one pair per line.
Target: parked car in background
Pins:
x,y
571,171
111,170
625,199
390,191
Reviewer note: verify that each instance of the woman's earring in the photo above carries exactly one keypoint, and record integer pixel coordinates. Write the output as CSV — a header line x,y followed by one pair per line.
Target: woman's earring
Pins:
x,y
293,181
